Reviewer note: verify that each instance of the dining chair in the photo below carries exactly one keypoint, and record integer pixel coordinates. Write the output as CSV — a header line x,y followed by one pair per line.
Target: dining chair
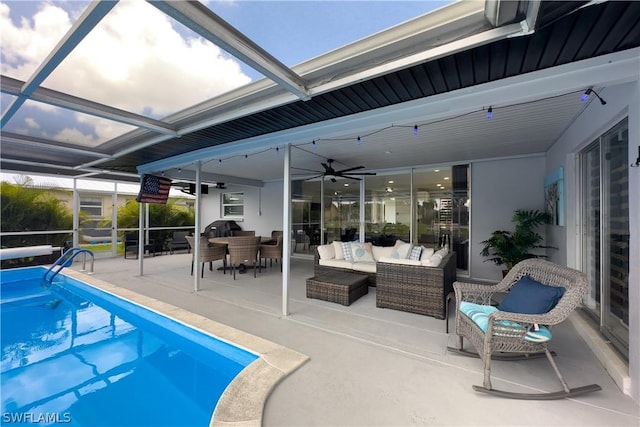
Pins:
x,y
243,250
272,251
209,252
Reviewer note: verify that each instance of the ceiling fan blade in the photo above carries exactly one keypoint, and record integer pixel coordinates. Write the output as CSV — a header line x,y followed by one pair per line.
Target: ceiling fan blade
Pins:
x,y
350,169
326,166
360,173
303,169
333,180
314,177
352,177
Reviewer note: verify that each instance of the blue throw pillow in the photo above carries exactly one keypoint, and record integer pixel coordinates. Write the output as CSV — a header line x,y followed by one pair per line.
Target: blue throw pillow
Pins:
x,y
529,296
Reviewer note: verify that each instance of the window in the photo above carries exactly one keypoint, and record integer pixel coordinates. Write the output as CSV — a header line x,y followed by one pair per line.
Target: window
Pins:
x,y
232,205
92,206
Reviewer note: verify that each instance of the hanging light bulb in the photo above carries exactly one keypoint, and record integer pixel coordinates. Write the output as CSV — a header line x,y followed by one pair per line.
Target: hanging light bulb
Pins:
x,y
246,157
313,143
219,161
490,113
162,173
179,170
415,129
359,141
277,150
585,95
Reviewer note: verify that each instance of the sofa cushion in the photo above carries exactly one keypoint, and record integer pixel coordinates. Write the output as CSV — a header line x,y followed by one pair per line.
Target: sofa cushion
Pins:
x,y
405,261
529,296
362,252
326,251
338,263
401,250
480,316
337,247
367,267
426,253
381,251
346,251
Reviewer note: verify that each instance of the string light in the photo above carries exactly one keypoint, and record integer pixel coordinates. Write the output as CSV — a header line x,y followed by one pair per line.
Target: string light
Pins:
x,y
415,128
162,174
179,170
585,96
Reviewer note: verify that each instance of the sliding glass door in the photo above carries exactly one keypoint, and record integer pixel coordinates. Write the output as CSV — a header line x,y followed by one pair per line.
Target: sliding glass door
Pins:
x,y
605,232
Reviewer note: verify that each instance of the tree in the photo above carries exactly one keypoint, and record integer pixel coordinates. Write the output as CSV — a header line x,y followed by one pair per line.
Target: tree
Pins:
x,y
30,208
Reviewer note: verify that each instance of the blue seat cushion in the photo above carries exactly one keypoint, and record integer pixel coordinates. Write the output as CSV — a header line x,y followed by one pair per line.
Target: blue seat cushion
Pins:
x,y
479,314
529,296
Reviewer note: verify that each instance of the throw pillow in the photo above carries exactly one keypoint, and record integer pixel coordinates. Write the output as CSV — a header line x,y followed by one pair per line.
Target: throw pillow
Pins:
x,y
326,251
415,253
426,253
401,250
346,251
529,296
337,247
362,252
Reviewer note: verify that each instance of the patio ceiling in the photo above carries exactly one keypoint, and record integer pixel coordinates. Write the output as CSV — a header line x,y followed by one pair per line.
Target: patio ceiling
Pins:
x,y
440,71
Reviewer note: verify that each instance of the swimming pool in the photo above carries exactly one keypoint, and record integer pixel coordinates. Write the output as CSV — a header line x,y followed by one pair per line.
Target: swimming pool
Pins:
x,y
74,354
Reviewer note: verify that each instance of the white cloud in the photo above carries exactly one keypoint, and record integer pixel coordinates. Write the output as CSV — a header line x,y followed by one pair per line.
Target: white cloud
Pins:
x,y
32,123
134,59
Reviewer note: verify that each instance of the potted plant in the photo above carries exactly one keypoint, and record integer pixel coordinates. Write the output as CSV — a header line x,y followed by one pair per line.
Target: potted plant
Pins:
x,y
509,248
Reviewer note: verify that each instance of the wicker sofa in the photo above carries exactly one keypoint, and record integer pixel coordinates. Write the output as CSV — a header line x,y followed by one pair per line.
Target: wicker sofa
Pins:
x,y
416,289
407,287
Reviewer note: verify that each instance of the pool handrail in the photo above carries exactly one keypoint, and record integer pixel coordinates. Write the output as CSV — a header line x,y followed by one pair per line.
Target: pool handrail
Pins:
x,y
66,260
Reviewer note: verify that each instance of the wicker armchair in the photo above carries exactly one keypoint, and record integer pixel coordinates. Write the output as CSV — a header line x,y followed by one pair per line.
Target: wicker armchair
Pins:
x,y
517,336
243,250
208,253
272,251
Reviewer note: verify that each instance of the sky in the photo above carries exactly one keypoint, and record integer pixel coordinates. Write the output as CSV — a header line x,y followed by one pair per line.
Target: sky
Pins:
x,y
140,60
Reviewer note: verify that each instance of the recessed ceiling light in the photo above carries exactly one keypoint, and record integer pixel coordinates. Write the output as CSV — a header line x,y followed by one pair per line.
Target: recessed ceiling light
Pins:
x,y
446,177
391,182
346,185
437,170
387,152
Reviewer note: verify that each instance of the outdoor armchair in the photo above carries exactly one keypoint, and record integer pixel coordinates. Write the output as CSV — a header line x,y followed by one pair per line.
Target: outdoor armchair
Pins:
x,y
208,253
540,295
272,251
242,251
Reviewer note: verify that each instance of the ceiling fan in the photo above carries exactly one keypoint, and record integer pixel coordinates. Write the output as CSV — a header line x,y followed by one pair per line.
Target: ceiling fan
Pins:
x,y
348,173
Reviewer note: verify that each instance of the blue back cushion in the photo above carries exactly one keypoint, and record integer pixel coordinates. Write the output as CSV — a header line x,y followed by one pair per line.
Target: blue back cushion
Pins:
x,y
529,296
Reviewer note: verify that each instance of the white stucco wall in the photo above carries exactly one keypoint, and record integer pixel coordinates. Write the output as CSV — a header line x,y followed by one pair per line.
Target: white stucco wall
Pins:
x,y
498,188
622,100
262,207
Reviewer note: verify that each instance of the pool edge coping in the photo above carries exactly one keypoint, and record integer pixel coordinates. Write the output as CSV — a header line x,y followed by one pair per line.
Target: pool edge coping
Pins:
x,y
239,405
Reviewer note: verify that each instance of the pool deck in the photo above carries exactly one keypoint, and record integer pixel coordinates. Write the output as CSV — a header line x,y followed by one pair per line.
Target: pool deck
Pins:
x,y
371,366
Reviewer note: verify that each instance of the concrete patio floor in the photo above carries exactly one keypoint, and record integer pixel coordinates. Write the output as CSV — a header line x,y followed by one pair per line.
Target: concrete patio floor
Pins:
x,y
371,366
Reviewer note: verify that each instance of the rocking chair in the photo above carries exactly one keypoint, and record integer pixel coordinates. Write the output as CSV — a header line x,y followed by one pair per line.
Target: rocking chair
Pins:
x,y
541,294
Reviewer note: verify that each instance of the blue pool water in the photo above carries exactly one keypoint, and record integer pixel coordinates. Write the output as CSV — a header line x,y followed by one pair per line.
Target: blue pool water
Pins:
x,y
73,354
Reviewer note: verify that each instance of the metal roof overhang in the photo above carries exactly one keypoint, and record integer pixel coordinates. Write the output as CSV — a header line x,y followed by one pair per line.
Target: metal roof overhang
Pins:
x,y
456,51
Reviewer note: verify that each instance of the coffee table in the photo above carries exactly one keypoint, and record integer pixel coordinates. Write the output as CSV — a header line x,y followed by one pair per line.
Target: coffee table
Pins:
x,y
343,288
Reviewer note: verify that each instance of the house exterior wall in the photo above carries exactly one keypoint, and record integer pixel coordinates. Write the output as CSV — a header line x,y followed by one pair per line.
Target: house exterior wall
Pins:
x,y
498,188
622,100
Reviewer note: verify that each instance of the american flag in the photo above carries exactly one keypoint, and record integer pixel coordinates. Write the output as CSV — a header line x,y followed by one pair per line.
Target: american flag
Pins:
x,y
154,189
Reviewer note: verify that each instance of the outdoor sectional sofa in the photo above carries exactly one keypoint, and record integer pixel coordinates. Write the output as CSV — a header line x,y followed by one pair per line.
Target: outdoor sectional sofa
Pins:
x,y
414,285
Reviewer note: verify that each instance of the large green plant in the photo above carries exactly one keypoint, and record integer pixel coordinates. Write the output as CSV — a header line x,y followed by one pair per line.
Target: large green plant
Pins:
x,y
169,215
509,248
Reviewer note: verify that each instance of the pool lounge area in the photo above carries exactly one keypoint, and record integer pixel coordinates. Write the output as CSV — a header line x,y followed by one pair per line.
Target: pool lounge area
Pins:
x,y
370,366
